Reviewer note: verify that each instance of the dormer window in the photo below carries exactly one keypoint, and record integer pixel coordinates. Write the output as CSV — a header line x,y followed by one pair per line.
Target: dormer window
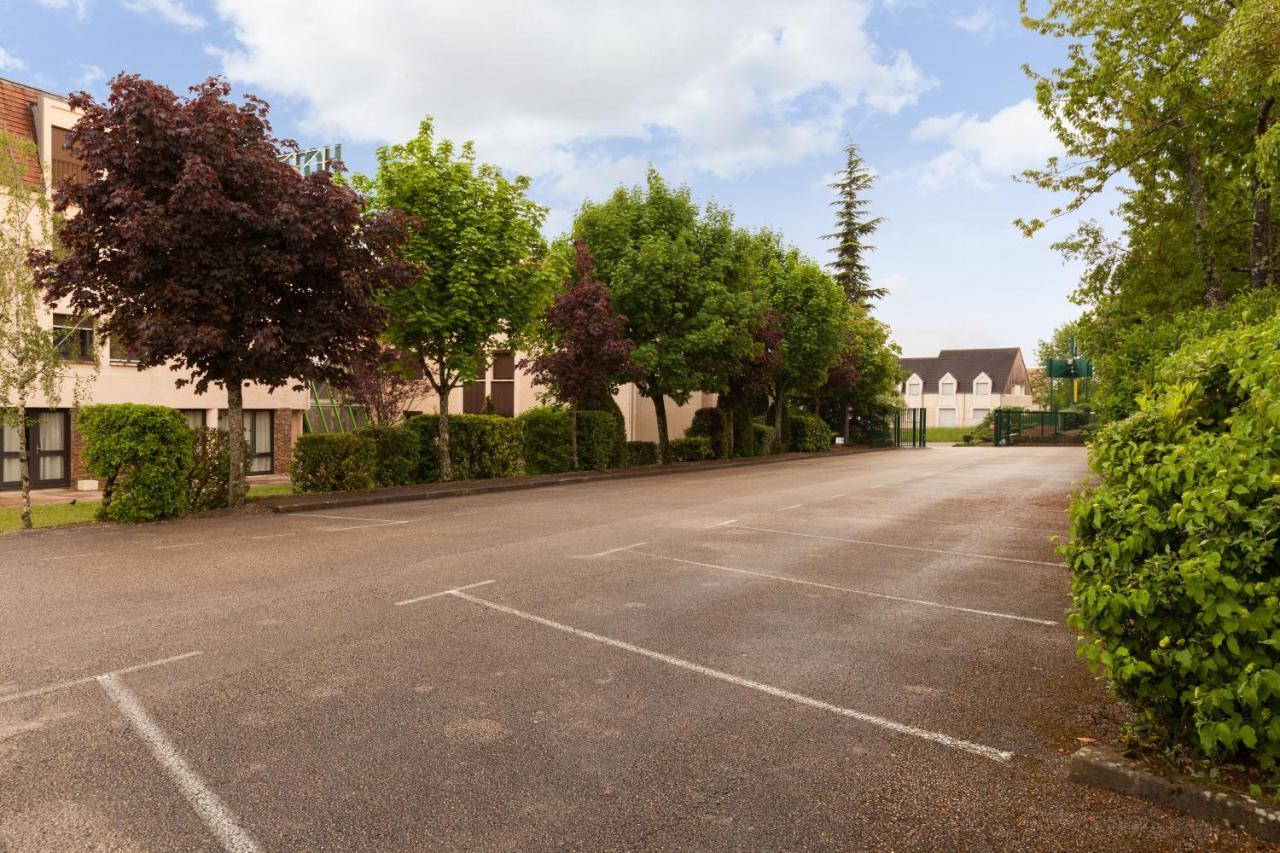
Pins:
x,y
981,386
913,388
947,387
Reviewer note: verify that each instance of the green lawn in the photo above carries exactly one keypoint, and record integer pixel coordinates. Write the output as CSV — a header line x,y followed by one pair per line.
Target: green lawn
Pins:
x,y
52,515
48,515
947,435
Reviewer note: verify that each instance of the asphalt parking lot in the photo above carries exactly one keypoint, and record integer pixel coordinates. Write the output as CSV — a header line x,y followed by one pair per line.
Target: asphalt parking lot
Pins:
x,y
865,651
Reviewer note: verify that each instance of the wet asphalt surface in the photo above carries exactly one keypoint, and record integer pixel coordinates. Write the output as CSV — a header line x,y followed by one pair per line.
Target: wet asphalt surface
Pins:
x,y
860,652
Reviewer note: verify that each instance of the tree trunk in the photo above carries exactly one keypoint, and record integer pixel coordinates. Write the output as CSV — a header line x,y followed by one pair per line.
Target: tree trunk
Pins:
x,y
446,464
236,486
1213,293
24,464
1261,261
848,416
777,421
664,444
573,437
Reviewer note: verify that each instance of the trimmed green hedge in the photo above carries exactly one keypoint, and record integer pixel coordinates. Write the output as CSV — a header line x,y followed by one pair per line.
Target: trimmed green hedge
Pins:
x,y
208,481
397,461
642,453
546,440
808,433
761,438
142,455
694,448
712,424
333,462
481,447
1176,554
597,441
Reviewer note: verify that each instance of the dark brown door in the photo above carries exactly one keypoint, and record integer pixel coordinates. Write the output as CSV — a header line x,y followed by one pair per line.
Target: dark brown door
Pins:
x,y
48,450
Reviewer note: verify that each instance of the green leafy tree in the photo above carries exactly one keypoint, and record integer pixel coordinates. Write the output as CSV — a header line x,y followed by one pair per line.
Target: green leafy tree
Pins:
x,y
476,236
29,359
861,388
853,227
677,275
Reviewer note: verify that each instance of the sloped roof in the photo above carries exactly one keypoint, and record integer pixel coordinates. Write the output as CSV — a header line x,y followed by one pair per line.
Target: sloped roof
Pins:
x,y
1004,366
17,119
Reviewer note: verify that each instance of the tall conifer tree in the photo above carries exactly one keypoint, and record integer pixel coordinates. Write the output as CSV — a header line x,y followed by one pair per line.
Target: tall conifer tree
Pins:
x,y
853,227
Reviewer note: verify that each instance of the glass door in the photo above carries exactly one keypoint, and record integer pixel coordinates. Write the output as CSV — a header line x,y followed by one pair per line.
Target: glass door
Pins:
x,y
48,450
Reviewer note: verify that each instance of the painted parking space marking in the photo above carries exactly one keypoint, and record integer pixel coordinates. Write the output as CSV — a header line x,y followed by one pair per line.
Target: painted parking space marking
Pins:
x,y
793,506
982,750
901,547
179,545
63,685
221,822
863,592
722,523
616,550
70,556
442,592
273,536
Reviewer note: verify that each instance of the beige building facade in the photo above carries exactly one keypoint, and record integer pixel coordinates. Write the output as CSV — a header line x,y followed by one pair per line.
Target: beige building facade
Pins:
x,y
961,387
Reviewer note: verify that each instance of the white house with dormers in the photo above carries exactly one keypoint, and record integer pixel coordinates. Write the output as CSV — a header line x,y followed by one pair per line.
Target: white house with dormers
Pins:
x,y
960,387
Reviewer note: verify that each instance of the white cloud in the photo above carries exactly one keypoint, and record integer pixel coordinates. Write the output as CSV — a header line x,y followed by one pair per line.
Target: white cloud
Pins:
x,y
980,150
173,11
979,21
724,87
81,7
9,62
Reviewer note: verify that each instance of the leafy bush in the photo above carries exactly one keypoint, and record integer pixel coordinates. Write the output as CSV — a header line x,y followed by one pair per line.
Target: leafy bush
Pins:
x,y
546,440
618,452
712,424
481,447
596,441
808,433
142,454
694,448
761,438
744,434
208,481
1176,573
397,453
333,462
642,453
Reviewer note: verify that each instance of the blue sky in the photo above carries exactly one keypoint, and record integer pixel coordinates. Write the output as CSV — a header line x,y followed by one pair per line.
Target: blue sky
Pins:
x,y
747,101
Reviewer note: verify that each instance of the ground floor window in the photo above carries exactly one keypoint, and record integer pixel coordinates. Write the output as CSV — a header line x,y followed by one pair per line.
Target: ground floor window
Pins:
x,y
259,432
979,415
946,417
48,450
196,418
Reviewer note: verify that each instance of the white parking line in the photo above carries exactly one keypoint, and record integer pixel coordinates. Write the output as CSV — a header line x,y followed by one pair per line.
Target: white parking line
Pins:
x,y
63,685
800,699
70,556
901,547
274,536
221,822
180,545
793,506
867,593
616,550
305,515
442,592
721,523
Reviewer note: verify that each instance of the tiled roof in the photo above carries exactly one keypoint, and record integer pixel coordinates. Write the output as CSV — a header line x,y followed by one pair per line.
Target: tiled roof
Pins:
x,y
1004,366
17,119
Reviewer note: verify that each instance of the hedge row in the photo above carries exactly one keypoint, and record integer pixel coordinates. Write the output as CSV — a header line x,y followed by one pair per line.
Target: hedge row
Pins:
x,y
1175,554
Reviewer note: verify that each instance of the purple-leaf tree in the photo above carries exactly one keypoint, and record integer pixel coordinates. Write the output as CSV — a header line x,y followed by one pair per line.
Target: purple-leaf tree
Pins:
x,y
190,241
585,353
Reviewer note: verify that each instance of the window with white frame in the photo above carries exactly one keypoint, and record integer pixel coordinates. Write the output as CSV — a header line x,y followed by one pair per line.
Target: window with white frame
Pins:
x,y
913,388
946,417
981,386
980,415
947,386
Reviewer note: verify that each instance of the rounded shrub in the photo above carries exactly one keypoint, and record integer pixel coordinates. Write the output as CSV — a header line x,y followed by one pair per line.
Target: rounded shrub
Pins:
x,y
142,455
642,453
808,433
333,462
1174,555
712,424
547,448
694,448
597,441
396,447
761,439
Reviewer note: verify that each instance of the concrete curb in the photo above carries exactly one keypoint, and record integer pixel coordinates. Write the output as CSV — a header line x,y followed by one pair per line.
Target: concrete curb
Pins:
x,y
1105,768
434,491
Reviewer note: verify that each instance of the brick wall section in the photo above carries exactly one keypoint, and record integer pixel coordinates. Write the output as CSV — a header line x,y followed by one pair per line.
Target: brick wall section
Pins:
x,y
282,441
78,471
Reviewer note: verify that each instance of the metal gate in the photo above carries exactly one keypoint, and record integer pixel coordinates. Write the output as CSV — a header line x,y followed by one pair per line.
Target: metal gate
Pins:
x,y
909,428
1018,427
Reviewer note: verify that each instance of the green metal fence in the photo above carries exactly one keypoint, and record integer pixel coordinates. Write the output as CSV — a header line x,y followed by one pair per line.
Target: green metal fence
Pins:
x,y
1015,427
908,428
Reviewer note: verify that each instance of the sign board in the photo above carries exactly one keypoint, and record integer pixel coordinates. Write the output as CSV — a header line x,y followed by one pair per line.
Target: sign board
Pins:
x,y
310,160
